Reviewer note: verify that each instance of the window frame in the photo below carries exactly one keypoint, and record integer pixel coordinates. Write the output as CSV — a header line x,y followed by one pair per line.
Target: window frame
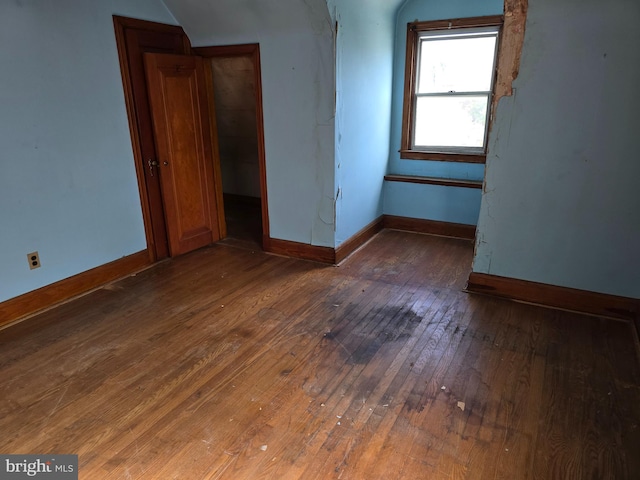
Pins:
x,y
414,31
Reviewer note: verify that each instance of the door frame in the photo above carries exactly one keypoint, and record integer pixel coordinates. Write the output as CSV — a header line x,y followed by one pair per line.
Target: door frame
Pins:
x,y
251,50
121,26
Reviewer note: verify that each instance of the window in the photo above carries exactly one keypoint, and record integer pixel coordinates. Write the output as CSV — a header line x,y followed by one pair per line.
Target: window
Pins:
x,y
449,77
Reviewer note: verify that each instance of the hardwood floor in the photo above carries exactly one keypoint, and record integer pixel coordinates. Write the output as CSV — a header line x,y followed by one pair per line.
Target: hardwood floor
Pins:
x,y
231,363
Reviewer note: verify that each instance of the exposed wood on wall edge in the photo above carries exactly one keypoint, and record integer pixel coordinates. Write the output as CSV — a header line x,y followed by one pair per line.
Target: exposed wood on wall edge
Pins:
x,y
18,308
510,49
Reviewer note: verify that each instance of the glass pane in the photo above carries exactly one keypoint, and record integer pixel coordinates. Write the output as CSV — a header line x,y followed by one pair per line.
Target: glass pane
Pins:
x,y
450,121
456,64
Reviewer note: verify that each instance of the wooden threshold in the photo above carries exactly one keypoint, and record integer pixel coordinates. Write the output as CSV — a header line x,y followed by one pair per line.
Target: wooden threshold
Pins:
x,y
18,308
565,298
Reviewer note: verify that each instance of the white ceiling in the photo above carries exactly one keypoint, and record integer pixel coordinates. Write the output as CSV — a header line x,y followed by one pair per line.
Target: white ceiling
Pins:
x,y
277,16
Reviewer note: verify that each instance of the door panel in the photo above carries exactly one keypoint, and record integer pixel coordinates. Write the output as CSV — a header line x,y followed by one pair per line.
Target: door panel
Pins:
x,y
134,38
157,42
180,117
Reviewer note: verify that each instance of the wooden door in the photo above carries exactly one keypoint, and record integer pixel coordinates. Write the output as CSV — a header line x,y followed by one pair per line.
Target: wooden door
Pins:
x,y
135,37
184,148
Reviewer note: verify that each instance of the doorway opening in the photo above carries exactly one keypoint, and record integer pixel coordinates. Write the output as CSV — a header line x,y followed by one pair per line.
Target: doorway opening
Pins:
x,y
237,70
234,92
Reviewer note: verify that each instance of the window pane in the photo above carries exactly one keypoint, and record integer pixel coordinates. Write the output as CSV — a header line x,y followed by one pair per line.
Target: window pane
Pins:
x,y
450,121
456,64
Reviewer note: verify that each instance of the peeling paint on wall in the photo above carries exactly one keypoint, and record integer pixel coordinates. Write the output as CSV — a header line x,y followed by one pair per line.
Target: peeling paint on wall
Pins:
x,y
548,216
511,40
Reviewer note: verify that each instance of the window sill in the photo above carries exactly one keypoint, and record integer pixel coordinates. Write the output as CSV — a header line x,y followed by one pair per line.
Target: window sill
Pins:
x,y
445,182
443,157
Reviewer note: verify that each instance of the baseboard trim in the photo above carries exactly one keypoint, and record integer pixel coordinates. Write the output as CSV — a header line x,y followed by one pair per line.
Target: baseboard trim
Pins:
x,y
35,301
324,254
300,250
583,301
432,227
359,239
335,256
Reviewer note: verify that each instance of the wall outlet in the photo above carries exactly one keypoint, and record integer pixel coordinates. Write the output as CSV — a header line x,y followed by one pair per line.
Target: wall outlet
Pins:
x,y
34,260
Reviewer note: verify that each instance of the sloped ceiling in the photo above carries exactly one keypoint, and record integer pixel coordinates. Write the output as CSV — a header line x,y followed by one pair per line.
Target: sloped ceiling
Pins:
x,y
277,16
271,15
389,7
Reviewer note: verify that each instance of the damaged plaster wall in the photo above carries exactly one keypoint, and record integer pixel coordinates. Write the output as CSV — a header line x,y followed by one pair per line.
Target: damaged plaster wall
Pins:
x,y
364,72
510,49
448,204
561,204
68,184
298,71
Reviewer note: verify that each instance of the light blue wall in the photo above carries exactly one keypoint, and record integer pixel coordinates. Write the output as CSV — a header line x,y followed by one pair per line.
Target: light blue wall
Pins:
x,y
424,201
67,180
364,62
445,204
298,74
562,203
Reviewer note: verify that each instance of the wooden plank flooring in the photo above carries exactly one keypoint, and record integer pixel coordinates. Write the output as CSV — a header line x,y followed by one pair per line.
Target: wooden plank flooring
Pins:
x,y
231,363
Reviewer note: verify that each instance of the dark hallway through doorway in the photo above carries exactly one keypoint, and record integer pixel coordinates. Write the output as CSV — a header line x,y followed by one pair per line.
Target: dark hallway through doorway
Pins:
x,y
244,221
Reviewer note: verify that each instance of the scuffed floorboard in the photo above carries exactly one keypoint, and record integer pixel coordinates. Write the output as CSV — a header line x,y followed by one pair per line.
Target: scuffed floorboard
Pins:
x,y
230,363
